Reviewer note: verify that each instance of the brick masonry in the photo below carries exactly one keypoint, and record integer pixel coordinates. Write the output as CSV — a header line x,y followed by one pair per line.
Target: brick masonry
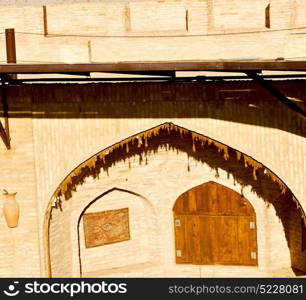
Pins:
x,y
156,30
55,128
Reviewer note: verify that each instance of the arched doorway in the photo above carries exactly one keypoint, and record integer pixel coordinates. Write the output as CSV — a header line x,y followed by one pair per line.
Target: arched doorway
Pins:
x,y
244,169
98,260
214,225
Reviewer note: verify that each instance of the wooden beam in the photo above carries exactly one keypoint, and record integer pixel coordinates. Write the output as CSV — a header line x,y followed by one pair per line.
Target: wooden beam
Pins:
x,y
187,20
277,94
10,45
145,73
267,16
5,131
240,66
10,48
4,137
45,19
155,78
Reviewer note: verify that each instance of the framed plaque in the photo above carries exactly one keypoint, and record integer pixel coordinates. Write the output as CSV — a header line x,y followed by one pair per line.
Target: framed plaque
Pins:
x,y
106,227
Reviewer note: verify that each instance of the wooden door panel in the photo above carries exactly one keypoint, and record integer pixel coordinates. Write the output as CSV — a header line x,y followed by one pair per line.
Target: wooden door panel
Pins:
x,y
193,241
181,253
213,199
207,236
226,240
244,240
215,227
206,240
247,240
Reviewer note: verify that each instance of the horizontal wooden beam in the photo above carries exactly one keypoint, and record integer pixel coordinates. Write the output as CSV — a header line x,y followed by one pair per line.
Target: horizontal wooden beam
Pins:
x,y
155,78
217,65
145,73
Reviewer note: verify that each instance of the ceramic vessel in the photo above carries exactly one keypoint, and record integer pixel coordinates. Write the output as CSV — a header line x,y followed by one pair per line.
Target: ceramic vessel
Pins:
x,y
11,209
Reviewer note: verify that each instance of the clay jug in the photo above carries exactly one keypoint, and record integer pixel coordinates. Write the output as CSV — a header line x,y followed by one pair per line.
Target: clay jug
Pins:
x,y
11,209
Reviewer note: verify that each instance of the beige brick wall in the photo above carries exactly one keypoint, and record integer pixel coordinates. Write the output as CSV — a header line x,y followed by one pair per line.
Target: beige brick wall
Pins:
x,y
156,30
47,147
20,247
239,15
55,128
150,252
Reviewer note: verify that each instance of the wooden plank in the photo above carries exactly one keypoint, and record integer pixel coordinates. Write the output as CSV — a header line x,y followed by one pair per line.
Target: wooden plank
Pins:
x,y
192,239
192,205
227,234
244,240
213,199
209,251
185,205
4,137
180,241
253,241
212,65
45,18
303,234
201,199
267,16
217,226
10,43
226,201
209,240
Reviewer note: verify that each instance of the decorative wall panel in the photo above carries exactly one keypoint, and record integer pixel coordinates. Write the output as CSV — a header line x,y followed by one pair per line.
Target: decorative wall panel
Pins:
x,y
106,227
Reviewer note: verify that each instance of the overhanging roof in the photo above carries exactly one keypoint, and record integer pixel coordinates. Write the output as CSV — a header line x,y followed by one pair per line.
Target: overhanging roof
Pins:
x,y
167,69
211,65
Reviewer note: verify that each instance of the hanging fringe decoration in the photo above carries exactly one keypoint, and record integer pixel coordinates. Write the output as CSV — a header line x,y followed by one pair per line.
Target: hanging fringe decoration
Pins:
x,y
188,165
275,179
193,144
139,141
199,143
248,161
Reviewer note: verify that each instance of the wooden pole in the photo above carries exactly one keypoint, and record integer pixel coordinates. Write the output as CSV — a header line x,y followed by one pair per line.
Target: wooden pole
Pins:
x,y
10,48
5,131
11,59
45,20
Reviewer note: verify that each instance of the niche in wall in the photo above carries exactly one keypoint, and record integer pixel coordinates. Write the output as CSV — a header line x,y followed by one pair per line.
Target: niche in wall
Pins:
x,y
116,232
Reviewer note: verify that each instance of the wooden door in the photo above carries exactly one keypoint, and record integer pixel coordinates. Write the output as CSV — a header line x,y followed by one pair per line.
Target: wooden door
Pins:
x,y
209,231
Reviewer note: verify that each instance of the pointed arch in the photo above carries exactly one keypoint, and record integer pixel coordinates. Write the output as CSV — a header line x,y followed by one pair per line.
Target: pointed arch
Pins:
x,y
101,196
214,225
245,169
211,198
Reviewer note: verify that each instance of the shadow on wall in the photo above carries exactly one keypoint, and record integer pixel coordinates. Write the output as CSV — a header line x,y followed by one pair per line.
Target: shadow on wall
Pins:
x,y
239,101
245,171
293,227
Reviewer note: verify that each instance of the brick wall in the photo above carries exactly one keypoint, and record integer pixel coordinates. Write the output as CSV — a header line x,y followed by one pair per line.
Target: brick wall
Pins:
x,y
20,247
150,252
156,30
54,128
